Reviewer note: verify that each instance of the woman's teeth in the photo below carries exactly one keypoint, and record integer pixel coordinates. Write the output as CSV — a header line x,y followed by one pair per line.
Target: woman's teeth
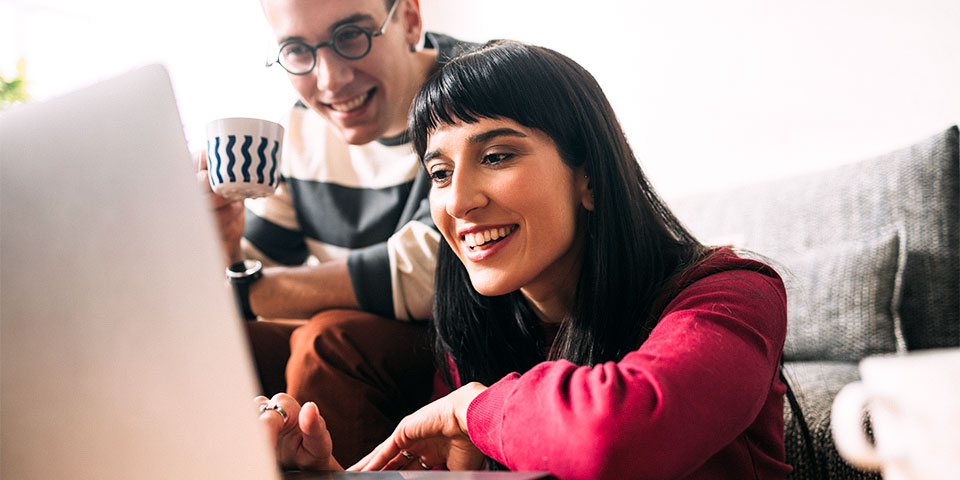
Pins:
x,y
350,105
478,239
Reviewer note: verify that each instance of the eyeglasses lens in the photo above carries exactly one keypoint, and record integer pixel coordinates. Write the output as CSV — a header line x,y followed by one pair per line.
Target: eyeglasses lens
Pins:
x,y
351,41
296,57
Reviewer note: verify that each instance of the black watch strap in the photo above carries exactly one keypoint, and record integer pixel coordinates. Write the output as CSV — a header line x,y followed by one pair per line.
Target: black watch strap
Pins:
x,y
241,276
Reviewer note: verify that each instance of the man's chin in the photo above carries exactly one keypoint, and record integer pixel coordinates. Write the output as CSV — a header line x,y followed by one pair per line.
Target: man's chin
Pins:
x,y
358,136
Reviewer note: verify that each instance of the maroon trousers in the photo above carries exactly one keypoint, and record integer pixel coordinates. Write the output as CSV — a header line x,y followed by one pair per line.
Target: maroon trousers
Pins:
x,y
364,372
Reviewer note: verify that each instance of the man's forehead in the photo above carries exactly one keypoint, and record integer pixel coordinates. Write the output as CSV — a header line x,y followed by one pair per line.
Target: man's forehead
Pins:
x,y
303,17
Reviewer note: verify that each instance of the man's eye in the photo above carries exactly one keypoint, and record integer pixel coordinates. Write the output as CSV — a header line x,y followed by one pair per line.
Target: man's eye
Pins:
x,y
295,50
349,35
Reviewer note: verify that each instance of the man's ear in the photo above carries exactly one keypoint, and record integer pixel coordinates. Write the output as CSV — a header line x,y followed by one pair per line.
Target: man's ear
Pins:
x,y
412,22
583,188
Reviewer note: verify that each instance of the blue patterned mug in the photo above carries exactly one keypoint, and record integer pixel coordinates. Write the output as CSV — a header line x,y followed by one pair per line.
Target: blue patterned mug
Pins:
x,y
243,156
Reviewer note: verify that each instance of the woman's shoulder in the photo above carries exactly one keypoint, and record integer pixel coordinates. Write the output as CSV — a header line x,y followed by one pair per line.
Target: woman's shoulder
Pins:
x,y
725,286
724,270
724,259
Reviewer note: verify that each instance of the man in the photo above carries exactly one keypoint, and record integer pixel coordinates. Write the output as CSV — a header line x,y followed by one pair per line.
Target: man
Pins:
x,y
349,227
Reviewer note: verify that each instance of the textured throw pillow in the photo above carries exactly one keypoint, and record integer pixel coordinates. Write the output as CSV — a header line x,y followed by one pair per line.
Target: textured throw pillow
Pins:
x,y
843,300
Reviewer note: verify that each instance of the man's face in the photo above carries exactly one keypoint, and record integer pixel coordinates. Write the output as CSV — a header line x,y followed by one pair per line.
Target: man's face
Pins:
x,y
364,99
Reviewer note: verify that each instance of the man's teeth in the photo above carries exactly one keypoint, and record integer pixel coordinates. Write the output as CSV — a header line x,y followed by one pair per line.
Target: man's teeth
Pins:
x,y
350,105
480,238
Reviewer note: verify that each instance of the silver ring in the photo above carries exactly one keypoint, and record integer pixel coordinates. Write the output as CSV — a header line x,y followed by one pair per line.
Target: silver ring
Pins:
x,y
409,456
274,407
424,465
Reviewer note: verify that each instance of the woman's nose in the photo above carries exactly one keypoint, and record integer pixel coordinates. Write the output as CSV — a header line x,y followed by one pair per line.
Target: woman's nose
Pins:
x,y
464,195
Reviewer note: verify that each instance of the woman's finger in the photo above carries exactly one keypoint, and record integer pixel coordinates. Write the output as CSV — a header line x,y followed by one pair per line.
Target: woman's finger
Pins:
x,y
271,418
371,462
316,438
417,462
402,462
363,461
422,463
385,457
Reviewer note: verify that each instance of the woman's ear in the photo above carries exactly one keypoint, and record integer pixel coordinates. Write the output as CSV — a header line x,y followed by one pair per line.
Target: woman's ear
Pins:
x,y
583,188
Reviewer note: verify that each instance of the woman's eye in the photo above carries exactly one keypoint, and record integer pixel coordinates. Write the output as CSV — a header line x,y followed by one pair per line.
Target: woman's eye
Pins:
x,y
439,176
495,158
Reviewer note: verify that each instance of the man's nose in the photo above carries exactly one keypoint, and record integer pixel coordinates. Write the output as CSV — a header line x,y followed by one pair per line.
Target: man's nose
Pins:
x,y
332,70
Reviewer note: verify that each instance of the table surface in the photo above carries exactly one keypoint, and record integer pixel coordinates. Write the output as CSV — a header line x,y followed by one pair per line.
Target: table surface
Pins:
x,y
415,475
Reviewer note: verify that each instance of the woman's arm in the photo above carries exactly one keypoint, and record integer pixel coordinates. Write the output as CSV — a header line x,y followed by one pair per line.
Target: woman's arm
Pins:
x,y
697,383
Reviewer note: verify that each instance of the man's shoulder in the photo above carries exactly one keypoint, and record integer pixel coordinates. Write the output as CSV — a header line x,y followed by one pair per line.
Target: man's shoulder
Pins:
x,y
447,47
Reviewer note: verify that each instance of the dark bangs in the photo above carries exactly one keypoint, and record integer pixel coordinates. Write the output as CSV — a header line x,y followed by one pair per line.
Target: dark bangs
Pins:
x,y
502,79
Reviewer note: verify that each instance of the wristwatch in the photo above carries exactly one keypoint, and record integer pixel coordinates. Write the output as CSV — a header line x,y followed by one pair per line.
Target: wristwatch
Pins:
x,y
241,276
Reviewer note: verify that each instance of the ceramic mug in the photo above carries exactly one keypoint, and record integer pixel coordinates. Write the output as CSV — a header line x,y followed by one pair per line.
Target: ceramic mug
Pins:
x,y
243,156
913,403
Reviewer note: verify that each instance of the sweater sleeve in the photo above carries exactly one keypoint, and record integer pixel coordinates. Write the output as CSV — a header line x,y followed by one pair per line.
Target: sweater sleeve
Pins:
x,y
413,259
699,380
394,279
272,232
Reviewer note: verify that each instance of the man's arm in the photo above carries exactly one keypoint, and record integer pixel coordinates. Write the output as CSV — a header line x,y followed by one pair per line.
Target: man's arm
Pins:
x,y
300,292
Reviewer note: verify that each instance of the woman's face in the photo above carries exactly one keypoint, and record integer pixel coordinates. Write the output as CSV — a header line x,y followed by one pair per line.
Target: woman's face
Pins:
x,y
507,205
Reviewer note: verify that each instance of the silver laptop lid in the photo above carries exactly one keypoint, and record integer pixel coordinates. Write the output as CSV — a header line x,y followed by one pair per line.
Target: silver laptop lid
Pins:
x,y
122,353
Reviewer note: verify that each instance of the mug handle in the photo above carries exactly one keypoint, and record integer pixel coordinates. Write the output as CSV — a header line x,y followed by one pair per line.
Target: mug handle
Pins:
x,y
848,435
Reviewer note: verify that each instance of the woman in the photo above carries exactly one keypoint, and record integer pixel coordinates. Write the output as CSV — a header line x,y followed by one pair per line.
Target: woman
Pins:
x,y
592,335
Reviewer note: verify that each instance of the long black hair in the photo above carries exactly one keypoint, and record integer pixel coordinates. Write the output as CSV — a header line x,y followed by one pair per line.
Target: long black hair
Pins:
x,y
633,244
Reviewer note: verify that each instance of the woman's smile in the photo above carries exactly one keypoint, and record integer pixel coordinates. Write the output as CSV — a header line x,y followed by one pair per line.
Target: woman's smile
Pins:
x,y
481,243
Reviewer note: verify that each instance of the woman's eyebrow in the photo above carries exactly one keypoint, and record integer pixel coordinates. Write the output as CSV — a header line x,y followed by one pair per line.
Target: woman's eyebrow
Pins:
x,y
431,155
498,132
479,138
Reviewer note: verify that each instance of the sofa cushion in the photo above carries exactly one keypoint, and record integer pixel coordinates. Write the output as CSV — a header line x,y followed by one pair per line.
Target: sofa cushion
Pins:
x,y
815,384
842,300
917,187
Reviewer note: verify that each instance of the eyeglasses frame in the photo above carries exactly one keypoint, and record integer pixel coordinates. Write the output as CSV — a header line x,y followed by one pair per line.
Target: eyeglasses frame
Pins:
x,y
330,43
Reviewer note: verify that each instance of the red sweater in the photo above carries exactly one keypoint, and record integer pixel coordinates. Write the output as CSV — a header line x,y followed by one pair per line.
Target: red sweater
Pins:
x,y
701,398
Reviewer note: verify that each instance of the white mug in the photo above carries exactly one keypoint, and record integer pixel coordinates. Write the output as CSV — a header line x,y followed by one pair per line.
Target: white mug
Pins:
x,y
243,156
914,406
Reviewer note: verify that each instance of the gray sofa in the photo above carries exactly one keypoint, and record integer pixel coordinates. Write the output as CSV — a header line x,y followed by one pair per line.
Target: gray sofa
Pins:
x,y
869,254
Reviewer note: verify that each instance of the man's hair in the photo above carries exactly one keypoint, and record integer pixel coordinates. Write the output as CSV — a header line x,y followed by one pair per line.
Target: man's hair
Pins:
x,y
633,244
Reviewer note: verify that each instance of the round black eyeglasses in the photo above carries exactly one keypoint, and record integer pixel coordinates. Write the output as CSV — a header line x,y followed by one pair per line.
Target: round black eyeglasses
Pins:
x,y
350,41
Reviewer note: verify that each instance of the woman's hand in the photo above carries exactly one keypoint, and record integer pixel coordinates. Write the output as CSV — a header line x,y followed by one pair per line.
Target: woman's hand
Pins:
x,y
301,435
433,435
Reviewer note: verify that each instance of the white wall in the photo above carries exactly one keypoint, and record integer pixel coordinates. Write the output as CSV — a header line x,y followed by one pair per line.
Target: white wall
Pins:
x,y
718,93
214,49
711,93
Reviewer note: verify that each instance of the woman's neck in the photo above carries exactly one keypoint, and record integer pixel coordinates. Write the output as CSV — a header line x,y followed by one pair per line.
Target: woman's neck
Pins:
x,y
553,301
551,310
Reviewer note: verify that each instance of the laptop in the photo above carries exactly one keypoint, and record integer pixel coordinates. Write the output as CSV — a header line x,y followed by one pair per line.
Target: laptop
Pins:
x,y
121,353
